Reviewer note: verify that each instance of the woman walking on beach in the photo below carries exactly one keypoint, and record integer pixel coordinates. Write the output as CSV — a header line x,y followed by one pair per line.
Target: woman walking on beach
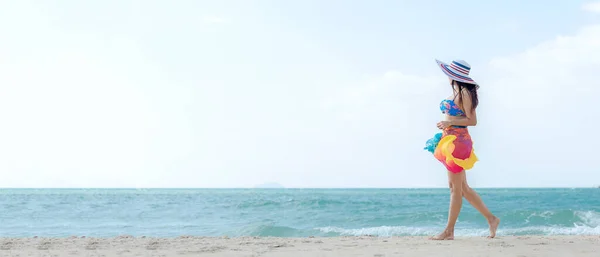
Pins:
x,y
453,146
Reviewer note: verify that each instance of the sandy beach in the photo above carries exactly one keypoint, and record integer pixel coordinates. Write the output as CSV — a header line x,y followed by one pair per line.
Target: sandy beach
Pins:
x,y
295,247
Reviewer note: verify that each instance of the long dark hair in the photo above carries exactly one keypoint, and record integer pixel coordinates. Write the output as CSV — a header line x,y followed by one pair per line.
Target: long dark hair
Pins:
x,y
471,88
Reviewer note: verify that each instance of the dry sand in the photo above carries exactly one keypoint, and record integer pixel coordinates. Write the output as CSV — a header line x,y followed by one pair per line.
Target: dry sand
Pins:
x,y
294,247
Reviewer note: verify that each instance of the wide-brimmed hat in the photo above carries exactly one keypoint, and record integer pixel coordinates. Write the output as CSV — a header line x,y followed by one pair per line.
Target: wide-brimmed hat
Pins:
x,y
457,70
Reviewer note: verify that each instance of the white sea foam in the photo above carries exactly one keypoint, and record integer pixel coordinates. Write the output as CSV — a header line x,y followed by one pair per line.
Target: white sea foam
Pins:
x,y
589,218
425,231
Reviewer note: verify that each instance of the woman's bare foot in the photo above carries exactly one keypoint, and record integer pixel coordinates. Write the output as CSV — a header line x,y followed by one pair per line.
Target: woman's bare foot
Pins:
x,y
493,226
445,235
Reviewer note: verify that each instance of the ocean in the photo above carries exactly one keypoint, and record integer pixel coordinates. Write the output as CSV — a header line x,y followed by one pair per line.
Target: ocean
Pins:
x,y
289,212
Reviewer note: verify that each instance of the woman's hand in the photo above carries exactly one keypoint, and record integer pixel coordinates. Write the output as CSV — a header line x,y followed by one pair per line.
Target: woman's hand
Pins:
x,y
444,124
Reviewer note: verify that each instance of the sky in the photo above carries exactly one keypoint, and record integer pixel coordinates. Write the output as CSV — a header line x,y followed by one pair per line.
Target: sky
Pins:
x,y
236,93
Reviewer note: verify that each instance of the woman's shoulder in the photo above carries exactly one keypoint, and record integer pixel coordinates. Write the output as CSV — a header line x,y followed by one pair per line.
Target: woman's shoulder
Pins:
x,y
465,94
465,91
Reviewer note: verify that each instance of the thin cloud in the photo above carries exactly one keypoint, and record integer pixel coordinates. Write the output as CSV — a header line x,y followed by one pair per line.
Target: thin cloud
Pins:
x,y
556,78
214,19
591,7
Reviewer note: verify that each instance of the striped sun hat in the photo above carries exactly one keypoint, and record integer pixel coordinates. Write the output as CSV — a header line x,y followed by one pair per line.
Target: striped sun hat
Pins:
x,y
457,70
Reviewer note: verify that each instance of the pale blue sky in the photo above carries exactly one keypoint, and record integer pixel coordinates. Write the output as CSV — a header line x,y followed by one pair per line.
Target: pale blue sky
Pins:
x,y
305,93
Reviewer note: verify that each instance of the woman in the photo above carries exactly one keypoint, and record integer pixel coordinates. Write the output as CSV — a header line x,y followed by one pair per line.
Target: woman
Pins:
x,y
454,148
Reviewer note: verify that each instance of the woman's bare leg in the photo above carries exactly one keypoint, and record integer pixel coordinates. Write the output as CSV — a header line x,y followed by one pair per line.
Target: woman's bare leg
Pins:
x,y
476,201
456,180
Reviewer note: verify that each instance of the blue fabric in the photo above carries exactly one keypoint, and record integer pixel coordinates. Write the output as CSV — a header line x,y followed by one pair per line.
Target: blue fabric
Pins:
x,y
432,143
451,108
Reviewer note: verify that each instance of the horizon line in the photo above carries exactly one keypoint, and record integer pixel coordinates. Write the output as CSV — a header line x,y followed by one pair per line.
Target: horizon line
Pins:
x,y
530,187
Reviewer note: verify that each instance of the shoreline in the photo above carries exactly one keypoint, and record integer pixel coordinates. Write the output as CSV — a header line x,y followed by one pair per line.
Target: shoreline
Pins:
x,y
418,246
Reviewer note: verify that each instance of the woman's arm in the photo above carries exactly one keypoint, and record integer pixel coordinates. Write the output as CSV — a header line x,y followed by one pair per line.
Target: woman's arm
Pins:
x,y
471,116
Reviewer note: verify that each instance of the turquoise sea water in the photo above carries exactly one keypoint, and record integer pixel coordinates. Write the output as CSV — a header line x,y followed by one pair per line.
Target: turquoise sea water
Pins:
x,y
289,212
